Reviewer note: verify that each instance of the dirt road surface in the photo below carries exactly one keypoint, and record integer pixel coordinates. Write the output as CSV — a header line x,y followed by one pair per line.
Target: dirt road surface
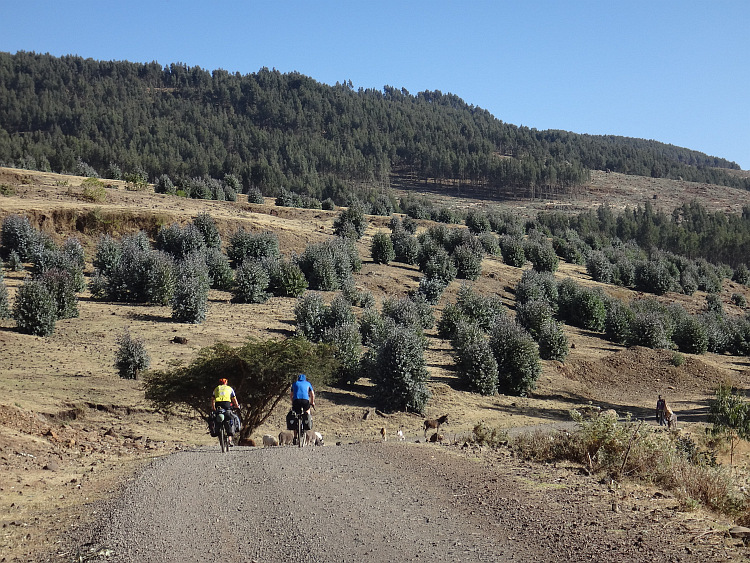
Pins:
x,y
383,502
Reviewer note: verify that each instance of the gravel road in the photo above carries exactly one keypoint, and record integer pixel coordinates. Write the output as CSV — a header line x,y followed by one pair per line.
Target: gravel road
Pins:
x,y
378,502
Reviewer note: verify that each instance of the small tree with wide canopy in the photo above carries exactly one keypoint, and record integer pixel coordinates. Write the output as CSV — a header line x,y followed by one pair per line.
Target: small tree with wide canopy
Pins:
x,y
260,371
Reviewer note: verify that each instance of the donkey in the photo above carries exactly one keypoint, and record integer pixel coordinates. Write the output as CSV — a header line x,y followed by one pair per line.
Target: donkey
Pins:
x,y
434,423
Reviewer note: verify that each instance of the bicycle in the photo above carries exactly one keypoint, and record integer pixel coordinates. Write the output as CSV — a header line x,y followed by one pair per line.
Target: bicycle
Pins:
x,y
299,425
222,418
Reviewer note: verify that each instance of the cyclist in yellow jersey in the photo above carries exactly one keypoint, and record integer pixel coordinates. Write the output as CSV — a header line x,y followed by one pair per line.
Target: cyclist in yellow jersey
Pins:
x,y
225,398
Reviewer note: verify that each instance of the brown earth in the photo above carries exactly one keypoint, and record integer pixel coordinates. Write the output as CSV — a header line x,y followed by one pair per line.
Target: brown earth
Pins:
x,y
71,431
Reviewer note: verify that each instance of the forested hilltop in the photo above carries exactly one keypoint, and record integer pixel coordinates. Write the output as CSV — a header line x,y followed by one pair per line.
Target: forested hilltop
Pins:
x,y
273,130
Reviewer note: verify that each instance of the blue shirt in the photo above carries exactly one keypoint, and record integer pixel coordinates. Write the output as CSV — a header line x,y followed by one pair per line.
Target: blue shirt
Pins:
x,y
301,390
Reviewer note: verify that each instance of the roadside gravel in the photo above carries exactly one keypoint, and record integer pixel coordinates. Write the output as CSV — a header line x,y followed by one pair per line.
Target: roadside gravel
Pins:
x,y
382,502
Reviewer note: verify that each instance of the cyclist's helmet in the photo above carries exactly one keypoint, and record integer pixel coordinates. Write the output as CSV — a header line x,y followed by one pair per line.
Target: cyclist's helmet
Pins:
x,y
223,381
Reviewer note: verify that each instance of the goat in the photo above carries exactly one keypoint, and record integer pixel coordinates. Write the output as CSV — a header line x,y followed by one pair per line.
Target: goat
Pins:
x,y
269,440
400,435
436,437
313,438
384,433
434,423
286,438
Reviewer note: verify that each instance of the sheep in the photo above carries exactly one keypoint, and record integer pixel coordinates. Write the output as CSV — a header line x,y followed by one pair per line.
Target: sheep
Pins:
x,y
269,440
286,438
434,423
313,438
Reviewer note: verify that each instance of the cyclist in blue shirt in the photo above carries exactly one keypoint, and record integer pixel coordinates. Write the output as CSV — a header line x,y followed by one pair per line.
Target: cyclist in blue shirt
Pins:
x,y
302,395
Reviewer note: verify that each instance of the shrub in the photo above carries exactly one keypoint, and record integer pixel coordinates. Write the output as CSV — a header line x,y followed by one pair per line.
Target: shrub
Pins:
x,y
220,273
141,274
18,235
347,342
164,185
255,246
405,247
542,256
532,314
328,266
653,277
517,357
382,248
741,275
310,314
209,231
468,262
254,195
371,326
677,359
739,300
599,267
648,328
93,191
512,250
540,285
178,241
714,304
431,289
328,204
396,366
477,221
440,266
690,335
61,286
617,322
190,299
251,283
285,278
489,243
108,253
4,303
475,362
581,306
351,222
69,259
339,313
479,309
410,312
131,356
553,344
14,262
688,284
35,309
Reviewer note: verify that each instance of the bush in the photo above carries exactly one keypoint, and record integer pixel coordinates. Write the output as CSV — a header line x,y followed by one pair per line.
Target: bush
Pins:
x,y
178,241
431,289
108,253
285,278
739,300
131,356
490,244
617,322
411,312
540,285
190,299
553,344
209,231
741,275
478,221
599,267
649,329
251,283
532,315
714,304
542,256
61,286
581,306
328,266
468,262
440,266
396,366
254,246
220,273
164,185
653,277
254,195
351,222
339,313
4,303
512,250
35,309
371,326
18,235
347,342
140,275
475,362
14,262
690,335
382,249
310,314
517,357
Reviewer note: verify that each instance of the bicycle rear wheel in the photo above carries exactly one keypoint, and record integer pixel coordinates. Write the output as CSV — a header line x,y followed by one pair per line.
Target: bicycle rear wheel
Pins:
x,y
300,431
223,438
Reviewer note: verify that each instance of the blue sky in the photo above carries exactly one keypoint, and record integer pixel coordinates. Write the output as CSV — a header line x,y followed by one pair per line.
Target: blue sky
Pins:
x,y
674,71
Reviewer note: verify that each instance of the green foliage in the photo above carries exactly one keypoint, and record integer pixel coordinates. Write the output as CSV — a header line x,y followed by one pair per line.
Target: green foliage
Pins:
x,y
581,306
382,248
431,289
468,260
251,283
311,314
396,366
741,274
18,235
540,285
7,190
475,362
329,265
260,372
553,344
486,436
541,255
108,253
254,246
164,185
532,315
5,312
690,335
512,250
220,273
190,300
617,322
206,226
285,278
517,357
714,304
35,309
677,359
599,267
131,357
410,312
178,241
14,262
347,343
649,329
351,222
653,277
729,415
739,300
438,265
141,274
405,247
62,289
254,195
477,221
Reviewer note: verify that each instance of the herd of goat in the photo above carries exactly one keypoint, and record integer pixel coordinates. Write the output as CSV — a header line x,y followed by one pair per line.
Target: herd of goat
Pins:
x,y
311,438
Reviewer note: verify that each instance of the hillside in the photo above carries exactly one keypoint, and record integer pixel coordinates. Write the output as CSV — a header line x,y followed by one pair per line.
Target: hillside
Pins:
x,y
277,131
70,429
